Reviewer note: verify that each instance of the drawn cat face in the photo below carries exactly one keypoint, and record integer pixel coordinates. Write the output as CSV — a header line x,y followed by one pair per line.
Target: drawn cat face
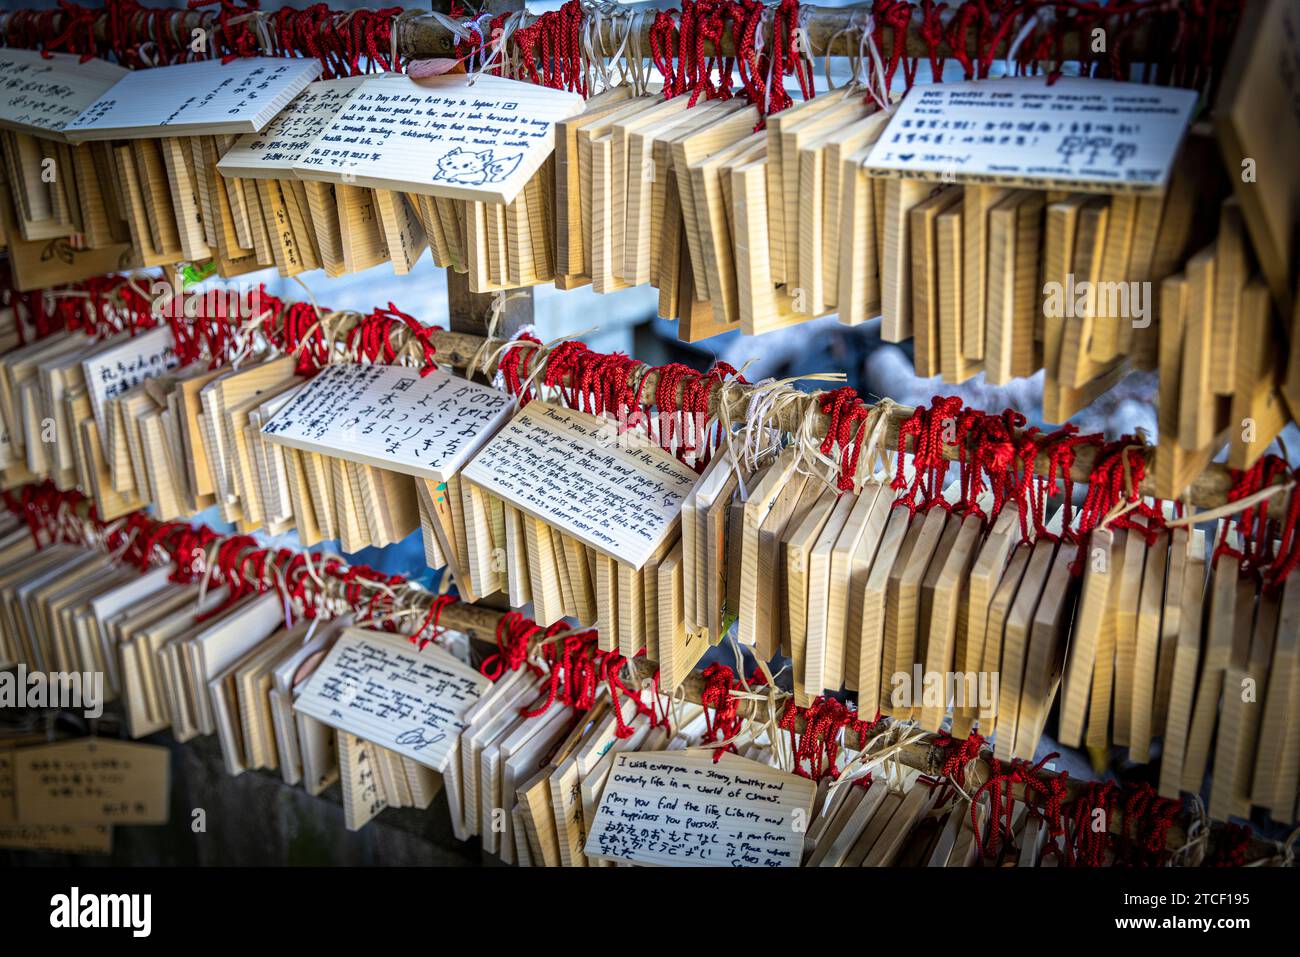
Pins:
x,y
461,162
471,168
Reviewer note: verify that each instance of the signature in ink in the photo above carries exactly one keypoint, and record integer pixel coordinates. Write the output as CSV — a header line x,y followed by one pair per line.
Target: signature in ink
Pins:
x,y
417,739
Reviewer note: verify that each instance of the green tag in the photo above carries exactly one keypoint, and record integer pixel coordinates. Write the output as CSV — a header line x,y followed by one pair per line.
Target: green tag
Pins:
x,y
195,273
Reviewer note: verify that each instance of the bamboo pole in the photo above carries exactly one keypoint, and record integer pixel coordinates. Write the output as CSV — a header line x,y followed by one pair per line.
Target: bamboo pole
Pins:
x,y
1209,489
831,31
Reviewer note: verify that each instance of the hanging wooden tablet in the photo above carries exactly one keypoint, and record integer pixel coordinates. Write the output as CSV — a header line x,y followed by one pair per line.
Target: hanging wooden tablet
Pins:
x,y
544,573
482,566
985,575
47,263
720,552
948,261
156,196
995,630
1101,568
321,492
819,597
360,234
1146,649
1196,404
978,267
710,177
324,209
1045,651
1243,694
1120,222
1173,316
584,128
782,254
923,285
178,160
1258,409
798,543
1180,540
953,567
790,505
1278,754
631,609
793,135
903,611
853,569
1059,229
857,255
896,294
826,158
1077,367
873,686
569,244
763,306
1126,622
756,622
1216,657
97,193
847,824
289,258
1012,303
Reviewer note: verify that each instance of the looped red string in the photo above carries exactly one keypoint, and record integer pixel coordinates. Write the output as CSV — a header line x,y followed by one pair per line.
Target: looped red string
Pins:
x,y
1231,847
1090,836
513,632
931,32
237,39
78,34
1270,550
895,16
371,339
554,39
926,427
1050,793
986,455
848,416
716,697
662,37
818,745
430,622
1147,820
1106,489
957,754
515,366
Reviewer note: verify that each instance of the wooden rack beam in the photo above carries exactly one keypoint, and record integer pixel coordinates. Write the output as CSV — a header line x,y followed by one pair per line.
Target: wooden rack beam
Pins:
x,y
1208,490
831,31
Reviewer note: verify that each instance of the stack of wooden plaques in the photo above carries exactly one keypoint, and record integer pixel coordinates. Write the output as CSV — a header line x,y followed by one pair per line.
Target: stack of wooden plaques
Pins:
x,y
547,773
695,202
162,131
1007,281
60,203
336,223
1221,368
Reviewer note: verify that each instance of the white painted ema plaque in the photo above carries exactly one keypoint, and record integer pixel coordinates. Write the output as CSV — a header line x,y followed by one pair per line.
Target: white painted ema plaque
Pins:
x,y
202,98
575,472
477,139
683,809
391,417
380,687
42,96
1094,136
